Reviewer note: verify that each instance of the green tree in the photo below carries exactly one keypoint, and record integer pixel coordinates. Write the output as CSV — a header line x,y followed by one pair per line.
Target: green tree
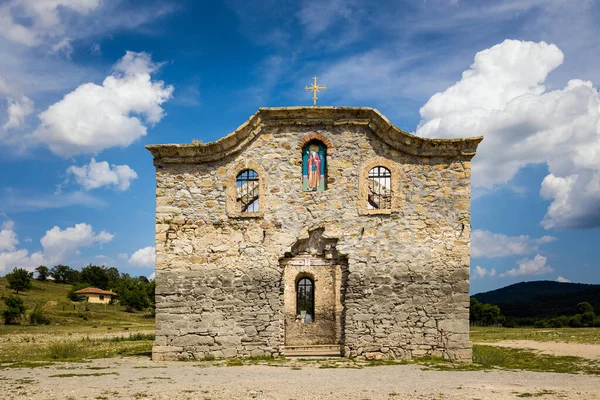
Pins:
x,y
14,309
59,273
587,318
132,292
151,292
96,276
74,296
475,310
65,274
42,272
19,279
491,314
584,307
113,276
483,313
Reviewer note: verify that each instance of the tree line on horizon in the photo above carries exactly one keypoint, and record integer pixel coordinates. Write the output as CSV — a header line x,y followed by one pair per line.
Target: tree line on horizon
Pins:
x,y
485,314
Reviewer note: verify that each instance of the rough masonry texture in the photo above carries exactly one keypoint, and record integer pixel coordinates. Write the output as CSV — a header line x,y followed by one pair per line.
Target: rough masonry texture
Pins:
x,y
389,283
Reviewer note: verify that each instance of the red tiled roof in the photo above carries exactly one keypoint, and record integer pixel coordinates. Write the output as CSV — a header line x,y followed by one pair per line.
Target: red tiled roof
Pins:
x,y
93,290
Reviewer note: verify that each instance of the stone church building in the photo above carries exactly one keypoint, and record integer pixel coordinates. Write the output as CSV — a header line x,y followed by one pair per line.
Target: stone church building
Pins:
x,y
313,230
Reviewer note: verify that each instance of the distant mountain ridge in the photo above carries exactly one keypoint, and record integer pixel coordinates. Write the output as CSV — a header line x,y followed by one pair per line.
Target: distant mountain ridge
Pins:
x,y
542,298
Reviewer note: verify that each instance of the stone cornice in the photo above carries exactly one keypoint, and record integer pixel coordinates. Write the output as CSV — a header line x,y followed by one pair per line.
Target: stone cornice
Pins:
x,y
314,116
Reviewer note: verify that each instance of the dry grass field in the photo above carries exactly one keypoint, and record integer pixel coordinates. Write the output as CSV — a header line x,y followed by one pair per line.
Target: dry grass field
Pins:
x,y
76,331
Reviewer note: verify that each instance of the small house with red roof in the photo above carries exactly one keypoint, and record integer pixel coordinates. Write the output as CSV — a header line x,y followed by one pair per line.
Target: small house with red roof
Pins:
x,y
95,295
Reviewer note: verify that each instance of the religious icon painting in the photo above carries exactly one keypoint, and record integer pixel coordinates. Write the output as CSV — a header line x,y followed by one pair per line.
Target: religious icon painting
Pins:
x,y
313,167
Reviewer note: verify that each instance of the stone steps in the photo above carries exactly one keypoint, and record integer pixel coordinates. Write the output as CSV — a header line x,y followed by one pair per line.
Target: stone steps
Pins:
x,y
321,350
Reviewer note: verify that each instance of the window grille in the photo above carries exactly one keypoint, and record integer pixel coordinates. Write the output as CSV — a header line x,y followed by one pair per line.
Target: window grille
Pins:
x,y
247,190
305,299
380,193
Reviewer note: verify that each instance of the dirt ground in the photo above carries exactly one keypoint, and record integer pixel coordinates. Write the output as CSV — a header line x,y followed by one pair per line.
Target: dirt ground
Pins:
x,y
591,351
140,378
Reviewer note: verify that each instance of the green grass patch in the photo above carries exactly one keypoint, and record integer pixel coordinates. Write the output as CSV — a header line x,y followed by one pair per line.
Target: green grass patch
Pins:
x,y
133,337
64,351
82,375
535,394
377,363
72,350
327,366
26,364
498,357
566,335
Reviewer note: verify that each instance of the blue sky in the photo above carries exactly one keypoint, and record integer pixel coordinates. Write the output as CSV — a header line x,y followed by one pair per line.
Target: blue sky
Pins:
x,y
85,84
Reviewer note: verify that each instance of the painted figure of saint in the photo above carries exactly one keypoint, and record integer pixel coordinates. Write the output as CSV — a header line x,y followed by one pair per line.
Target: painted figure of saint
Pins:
x,y
313,167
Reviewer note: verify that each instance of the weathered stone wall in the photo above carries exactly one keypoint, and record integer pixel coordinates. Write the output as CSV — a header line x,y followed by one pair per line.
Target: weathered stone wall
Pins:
x,y
219,277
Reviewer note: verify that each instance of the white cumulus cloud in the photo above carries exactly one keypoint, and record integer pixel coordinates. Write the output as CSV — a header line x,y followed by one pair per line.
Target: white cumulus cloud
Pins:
x,y
480,272
562,280
143,257
95,117
503,96
17,111
57,244
488,244
537,266
31,22
8,237
99,174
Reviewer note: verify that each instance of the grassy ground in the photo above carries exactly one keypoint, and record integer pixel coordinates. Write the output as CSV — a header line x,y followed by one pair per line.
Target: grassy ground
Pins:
x,y
69,317
23,354
77,331
507,358
567,335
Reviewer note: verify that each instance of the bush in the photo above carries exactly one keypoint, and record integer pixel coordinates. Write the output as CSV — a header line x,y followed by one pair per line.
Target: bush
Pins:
x,y
64,351
74,296
37,316
587,318
575,321
15,308
541,323
585,307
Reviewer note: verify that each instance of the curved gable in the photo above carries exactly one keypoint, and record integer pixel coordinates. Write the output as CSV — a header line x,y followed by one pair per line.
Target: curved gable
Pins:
x,y
314,116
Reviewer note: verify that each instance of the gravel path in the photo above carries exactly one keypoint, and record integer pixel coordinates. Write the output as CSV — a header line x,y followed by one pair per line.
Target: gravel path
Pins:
x,y
140,378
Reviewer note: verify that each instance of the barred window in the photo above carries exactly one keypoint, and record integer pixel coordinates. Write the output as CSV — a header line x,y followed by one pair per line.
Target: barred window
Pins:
x,y
380,193
247,191
305,299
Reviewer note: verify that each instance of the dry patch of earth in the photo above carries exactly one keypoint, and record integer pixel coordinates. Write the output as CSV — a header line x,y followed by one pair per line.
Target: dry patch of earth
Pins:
x,y
140,378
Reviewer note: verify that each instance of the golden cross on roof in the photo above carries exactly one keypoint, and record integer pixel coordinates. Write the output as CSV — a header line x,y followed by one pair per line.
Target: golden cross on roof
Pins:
x,y
315,88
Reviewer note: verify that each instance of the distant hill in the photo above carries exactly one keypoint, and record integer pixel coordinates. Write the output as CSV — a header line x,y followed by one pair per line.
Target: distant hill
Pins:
x,y
542,298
